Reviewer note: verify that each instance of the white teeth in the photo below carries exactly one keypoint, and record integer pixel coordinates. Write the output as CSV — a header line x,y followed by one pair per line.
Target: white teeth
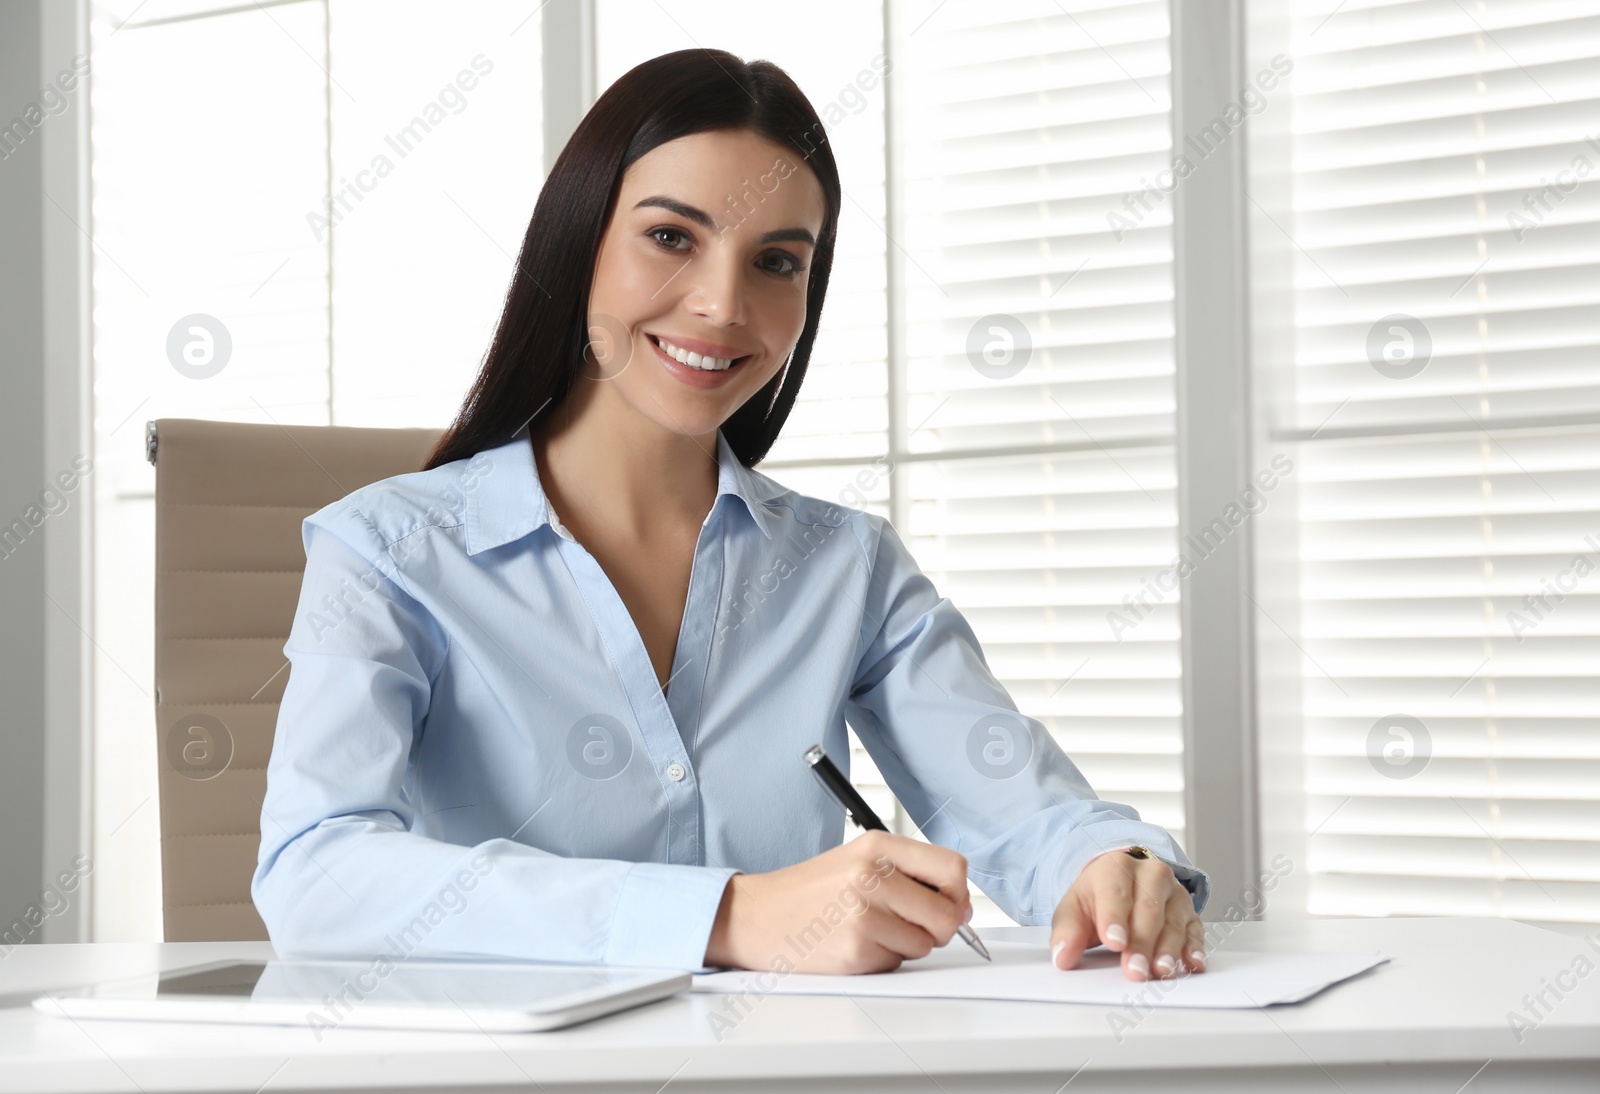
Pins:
x,y
694,360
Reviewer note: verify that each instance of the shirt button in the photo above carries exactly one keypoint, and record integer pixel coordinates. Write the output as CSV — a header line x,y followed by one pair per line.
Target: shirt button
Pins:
x,y
676,772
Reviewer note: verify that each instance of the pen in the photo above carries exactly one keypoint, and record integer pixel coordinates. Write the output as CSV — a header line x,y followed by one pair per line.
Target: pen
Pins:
x,y
839,788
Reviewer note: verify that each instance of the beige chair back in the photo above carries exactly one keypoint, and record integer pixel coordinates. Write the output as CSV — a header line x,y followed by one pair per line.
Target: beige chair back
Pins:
x,y
229,501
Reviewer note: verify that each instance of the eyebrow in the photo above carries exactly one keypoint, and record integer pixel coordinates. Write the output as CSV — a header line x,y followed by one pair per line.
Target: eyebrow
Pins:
x,y
700,217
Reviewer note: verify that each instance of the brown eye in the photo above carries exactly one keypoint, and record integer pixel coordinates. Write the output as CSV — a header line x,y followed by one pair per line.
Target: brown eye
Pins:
x,y
788,265
657,233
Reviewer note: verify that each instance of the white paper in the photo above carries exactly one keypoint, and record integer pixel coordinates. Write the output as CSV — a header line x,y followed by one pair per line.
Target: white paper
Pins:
x,y
1023,971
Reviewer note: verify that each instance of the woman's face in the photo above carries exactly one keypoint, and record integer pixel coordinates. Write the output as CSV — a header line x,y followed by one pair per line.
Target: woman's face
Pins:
x,y
707,253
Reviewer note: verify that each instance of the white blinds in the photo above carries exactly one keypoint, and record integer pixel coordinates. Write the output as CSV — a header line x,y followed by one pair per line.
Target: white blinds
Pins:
x,y
201,180
211,152
1021,130
448,100
1448,319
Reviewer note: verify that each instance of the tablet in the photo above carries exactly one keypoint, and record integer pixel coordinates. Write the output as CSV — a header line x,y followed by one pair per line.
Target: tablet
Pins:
x,y
382,994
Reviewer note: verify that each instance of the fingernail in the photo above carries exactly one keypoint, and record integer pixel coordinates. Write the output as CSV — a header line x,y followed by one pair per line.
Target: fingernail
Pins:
x,y
968,917
1115,933
1197,955
1140,964
1166,963
1055,953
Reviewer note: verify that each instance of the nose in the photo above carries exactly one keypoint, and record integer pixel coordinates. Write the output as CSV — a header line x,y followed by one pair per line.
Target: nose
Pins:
x,y
716,288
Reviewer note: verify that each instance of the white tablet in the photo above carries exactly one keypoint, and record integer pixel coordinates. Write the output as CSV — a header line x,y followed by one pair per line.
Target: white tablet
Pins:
x,y
406,994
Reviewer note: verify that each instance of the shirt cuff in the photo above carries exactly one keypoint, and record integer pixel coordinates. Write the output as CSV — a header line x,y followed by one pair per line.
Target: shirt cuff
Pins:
x,y
1195,880
664,915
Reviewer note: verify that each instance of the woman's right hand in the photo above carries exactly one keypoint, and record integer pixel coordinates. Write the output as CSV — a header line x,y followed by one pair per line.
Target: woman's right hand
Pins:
x,y
854,909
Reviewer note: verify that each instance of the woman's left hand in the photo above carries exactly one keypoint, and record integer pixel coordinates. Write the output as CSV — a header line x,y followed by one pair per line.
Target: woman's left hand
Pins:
x,y
1138,909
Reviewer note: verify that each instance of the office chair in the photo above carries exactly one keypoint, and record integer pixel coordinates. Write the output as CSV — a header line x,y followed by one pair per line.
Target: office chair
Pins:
x,y
229,501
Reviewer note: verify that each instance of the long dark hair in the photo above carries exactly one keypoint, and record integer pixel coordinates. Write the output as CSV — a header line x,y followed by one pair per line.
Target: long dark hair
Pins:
x,y
537,351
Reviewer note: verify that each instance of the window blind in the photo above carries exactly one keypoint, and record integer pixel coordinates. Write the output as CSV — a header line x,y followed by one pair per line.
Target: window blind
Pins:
x,y
200,181
1447,310
346,296
437,163
1038,409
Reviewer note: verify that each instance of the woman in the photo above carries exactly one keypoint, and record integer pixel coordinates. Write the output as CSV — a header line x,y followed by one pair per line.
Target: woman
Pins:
x,y
550,694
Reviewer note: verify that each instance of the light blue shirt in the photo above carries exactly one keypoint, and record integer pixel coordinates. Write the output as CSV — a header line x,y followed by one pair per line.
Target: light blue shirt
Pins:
x,y
474,755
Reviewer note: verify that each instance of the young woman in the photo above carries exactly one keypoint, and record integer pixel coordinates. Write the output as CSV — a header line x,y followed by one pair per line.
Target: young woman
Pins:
x,y
550,694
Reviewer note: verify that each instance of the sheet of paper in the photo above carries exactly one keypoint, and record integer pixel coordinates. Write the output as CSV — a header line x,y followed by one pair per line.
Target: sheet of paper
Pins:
x,y
1022,971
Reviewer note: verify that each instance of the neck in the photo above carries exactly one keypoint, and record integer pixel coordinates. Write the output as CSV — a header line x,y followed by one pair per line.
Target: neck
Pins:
x,y
608,470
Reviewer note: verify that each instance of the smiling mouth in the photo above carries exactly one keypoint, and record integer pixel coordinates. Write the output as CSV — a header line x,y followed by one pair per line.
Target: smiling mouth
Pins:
x,y
695,361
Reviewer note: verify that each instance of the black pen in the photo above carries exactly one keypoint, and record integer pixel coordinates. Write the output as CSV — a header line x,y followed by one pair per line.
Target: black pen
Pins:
x,y
839,788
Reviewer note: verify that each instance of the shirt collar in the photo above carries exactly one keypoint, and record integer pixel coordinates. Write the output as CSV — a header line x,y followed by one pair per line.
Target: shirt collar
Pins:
x,y
507,501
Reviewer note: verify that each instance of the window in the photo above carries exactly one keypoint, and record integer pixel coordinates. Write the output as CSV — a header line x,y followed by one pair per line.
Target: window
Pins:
x,y
332,192
1447,311
1036,415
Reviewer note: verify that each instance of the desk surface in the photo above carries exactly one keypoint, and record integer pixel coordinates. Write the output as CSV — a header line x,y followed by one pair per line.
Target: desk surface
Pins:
x,y
1430,1018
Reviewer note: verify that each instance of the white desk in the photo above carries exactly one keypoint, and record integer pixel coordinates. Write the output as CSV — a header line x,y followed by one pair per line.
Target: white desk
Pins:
x,y
1428,1020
